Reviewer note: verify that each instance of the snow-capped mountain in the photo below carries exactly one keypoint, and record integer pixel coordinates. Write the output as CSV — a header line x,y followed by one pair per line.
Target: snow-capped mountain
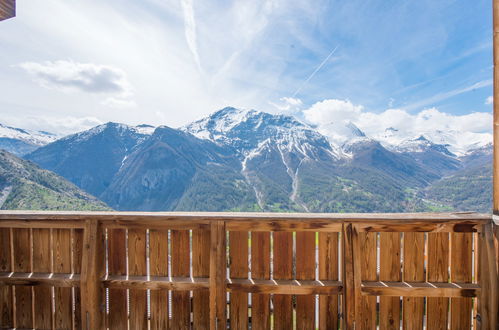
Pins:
x,y
250,130
21,141
248,160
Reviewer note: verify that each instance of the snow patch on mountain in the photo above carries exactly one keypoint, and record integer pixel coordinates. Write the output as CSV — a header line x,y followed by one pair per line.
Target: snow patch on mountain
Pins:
x,y
38,138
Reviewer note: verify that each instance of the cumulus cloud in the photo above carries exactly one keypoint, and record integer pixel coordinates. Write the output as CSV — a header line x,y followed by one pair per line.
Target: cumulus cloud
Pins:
x,y
84,77
59,125
288,105
396,125
489,100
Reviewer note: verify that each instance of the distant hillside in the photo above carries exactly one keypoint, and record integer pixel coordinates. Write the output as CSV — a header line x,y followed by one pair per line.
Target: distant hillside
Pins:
x,y
25,186
466,190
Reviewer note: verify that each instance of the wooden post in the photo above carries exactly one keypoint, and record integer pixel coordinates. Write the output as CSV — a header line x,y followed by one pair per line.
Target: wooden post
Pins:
x,y
488,299
495,185
92,302
350,289
218,274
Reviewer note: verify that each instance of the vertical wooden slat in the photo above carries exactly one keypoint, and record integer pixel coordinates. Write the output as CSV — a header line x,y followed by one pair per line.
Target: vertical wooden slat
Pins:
x,y
368,262
305,270
77,249
389,309
238,256
218,273
92,270
488,305
22,263
283,270
413,272
461,271
42,264
62,264
328,270
438,266
118,318
180,258
260,269
351,275
158,254
201,268
137,266
6,308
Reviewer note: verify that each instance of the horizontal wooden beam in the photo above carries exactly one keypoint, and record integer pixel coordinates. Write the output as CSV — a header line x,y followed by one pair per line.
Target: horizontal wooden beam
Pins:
x,y
155,283
291,225
439,226
40,279
285,286
420,289
401,218
59,224
7,9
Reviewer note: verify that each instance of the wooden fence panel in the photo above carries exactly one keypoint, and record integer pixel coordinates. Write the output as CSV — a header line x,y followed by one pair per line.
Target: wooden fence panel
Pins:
x,y
201,268
22,263
283,270
238,266
6,307
137,267
328,270
413,307
461,271
77,250
63,316
368,255
158,258
438,271
389,309
180,258
305,270
42,263
260,269
118,316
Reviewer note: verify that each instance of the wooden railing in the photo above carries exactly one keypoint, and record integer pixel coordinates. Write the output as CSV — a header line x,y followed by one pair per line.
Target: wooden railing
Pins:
x,y
239,270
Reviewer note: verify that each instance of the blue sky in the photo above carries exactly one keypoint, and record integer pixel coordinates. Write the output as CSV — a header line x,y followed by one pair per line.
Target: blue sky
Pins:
x,y
68,65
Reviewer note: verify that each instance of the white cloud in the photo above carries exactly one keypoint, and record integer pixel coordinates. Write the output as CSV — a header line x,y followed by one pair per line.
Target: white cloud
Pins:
x,y
288,105
86,77
461,131
489,100
92,78
190,29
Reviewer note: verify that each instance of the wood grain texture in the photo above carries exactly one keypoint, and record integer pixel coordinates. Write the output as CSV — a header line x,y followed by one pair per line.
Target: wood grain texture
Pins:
x,y
7,9
351,266
260,269
158,254
368,264
6,302
117,318
461,271
438,271
305,270
238,268
389,307
218,274
328,270
77,255
42,263
201,268
63,315
136,267
283,269
180,258
413,271
22,263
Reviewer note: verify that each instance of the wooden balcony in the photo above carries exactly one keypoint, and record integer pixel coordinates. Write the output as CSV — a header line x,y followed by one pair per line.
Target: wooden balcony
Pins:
x,y
247,270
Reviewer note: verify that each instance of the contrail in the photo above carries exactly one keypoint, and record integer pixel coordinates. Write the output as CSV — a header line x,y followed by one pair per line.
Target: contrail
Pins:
x,y
315,71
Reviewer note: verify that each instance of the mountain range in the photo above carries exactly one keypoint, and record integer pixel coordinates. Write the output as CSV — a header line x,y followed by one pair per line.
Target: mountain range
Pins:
x,y
246,160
